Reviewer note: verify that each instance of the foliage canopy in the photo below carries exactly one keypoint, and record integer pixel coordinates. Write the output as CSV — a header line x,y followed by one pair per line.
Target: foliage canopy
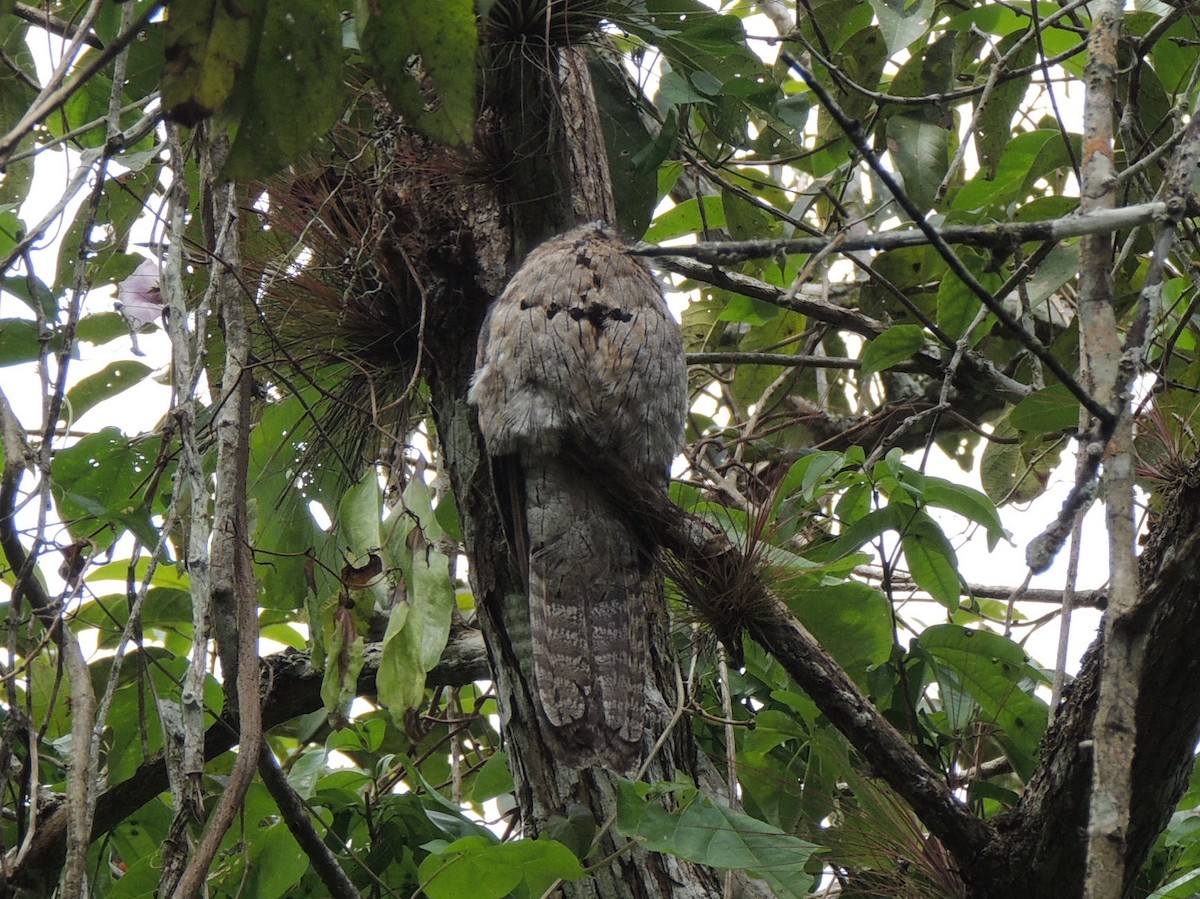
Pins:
x,y
319,167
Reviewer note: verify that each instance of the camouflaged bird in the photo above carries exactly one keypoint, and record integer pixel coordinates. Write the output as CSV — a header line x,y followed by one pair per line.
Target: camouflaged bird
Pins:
x,y
580,349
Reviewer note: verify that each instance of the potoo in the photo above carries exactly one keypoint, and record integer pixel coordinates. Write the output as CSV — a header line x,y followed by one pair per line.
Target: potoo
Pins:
x,y
581,351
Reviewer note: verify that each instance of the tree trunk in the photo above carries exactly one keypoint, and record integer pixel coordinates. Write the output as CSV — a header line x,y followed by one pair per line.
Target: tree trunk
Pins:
x,y
547,125
1042,843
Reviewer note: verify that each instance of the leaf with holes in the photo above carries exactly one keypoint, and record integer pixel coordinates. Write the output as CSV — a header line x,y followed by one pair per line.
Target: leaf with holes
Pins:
x,y
423,58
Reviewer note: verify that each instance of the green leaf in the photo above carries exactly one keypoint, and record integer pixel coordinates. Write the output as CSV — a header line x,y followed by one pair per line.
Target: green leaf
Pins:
x,y
1017,472
296,559
358,519
686,218
19,341
101,328
292,94
996,116
919,142
1050,410
484,869
931,559
492,779
207,45
100,480
996,674
702,831
273,868
902,21
957,307
1019,160
850,620
676,89
419,623
1183,887
633,153
967,502
104,384
423,57
898,343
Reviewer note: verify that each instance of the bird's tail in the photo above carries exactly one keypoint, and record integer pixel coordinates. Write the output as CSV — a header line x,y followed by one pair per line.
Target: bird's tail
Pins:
x,y
588,577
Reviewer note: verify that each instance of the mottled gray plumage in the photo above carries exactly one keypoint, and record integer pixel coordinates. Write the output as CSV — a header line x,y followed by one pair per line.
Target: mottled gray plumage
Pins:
x,y
581,349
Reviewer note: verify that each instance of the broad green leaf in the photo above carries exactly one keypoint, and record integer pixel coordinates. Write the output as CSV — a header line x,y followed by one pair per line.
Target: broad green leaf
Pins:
x,y
1017,472
898,343
104,384
207,46
967,502
686,218
1051,410
273,868
957,305
902,21
423,57
306,770
931,559
850,620
297,561
164,575
419,622
1019,160
99,486
676,89
919,142
857,533
748,310
634,154
358,519
995,673
808,472
492,779
101,328
19,341
481,868
291,95
995,118
744,219
699,830
1184,887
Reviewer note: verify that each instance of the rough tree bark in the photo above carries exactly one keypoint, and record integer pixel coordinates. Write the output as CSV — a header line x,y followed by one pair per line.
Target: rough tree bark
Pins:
x,y
557,151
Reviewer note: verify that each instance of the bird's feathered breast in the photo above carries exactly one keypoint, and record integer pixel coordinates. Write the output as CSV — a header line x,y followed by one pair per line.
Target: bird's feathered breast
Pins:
x,y
581,344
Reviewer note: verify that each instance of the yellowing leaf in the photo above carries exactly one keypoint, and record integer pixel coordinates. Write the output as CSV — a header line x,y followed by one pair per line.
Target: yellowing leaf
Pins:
x,y
206,47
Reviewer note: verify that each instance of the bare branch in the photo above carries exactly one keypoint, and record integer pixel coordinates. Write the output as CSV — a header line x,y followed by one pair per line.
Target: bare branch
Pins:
x,y
996,236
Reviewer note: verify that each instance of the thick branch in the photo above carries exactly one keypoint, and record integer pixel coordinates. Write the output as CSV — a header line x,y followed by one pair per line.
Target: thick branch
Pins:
x,y
767,620
999,235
